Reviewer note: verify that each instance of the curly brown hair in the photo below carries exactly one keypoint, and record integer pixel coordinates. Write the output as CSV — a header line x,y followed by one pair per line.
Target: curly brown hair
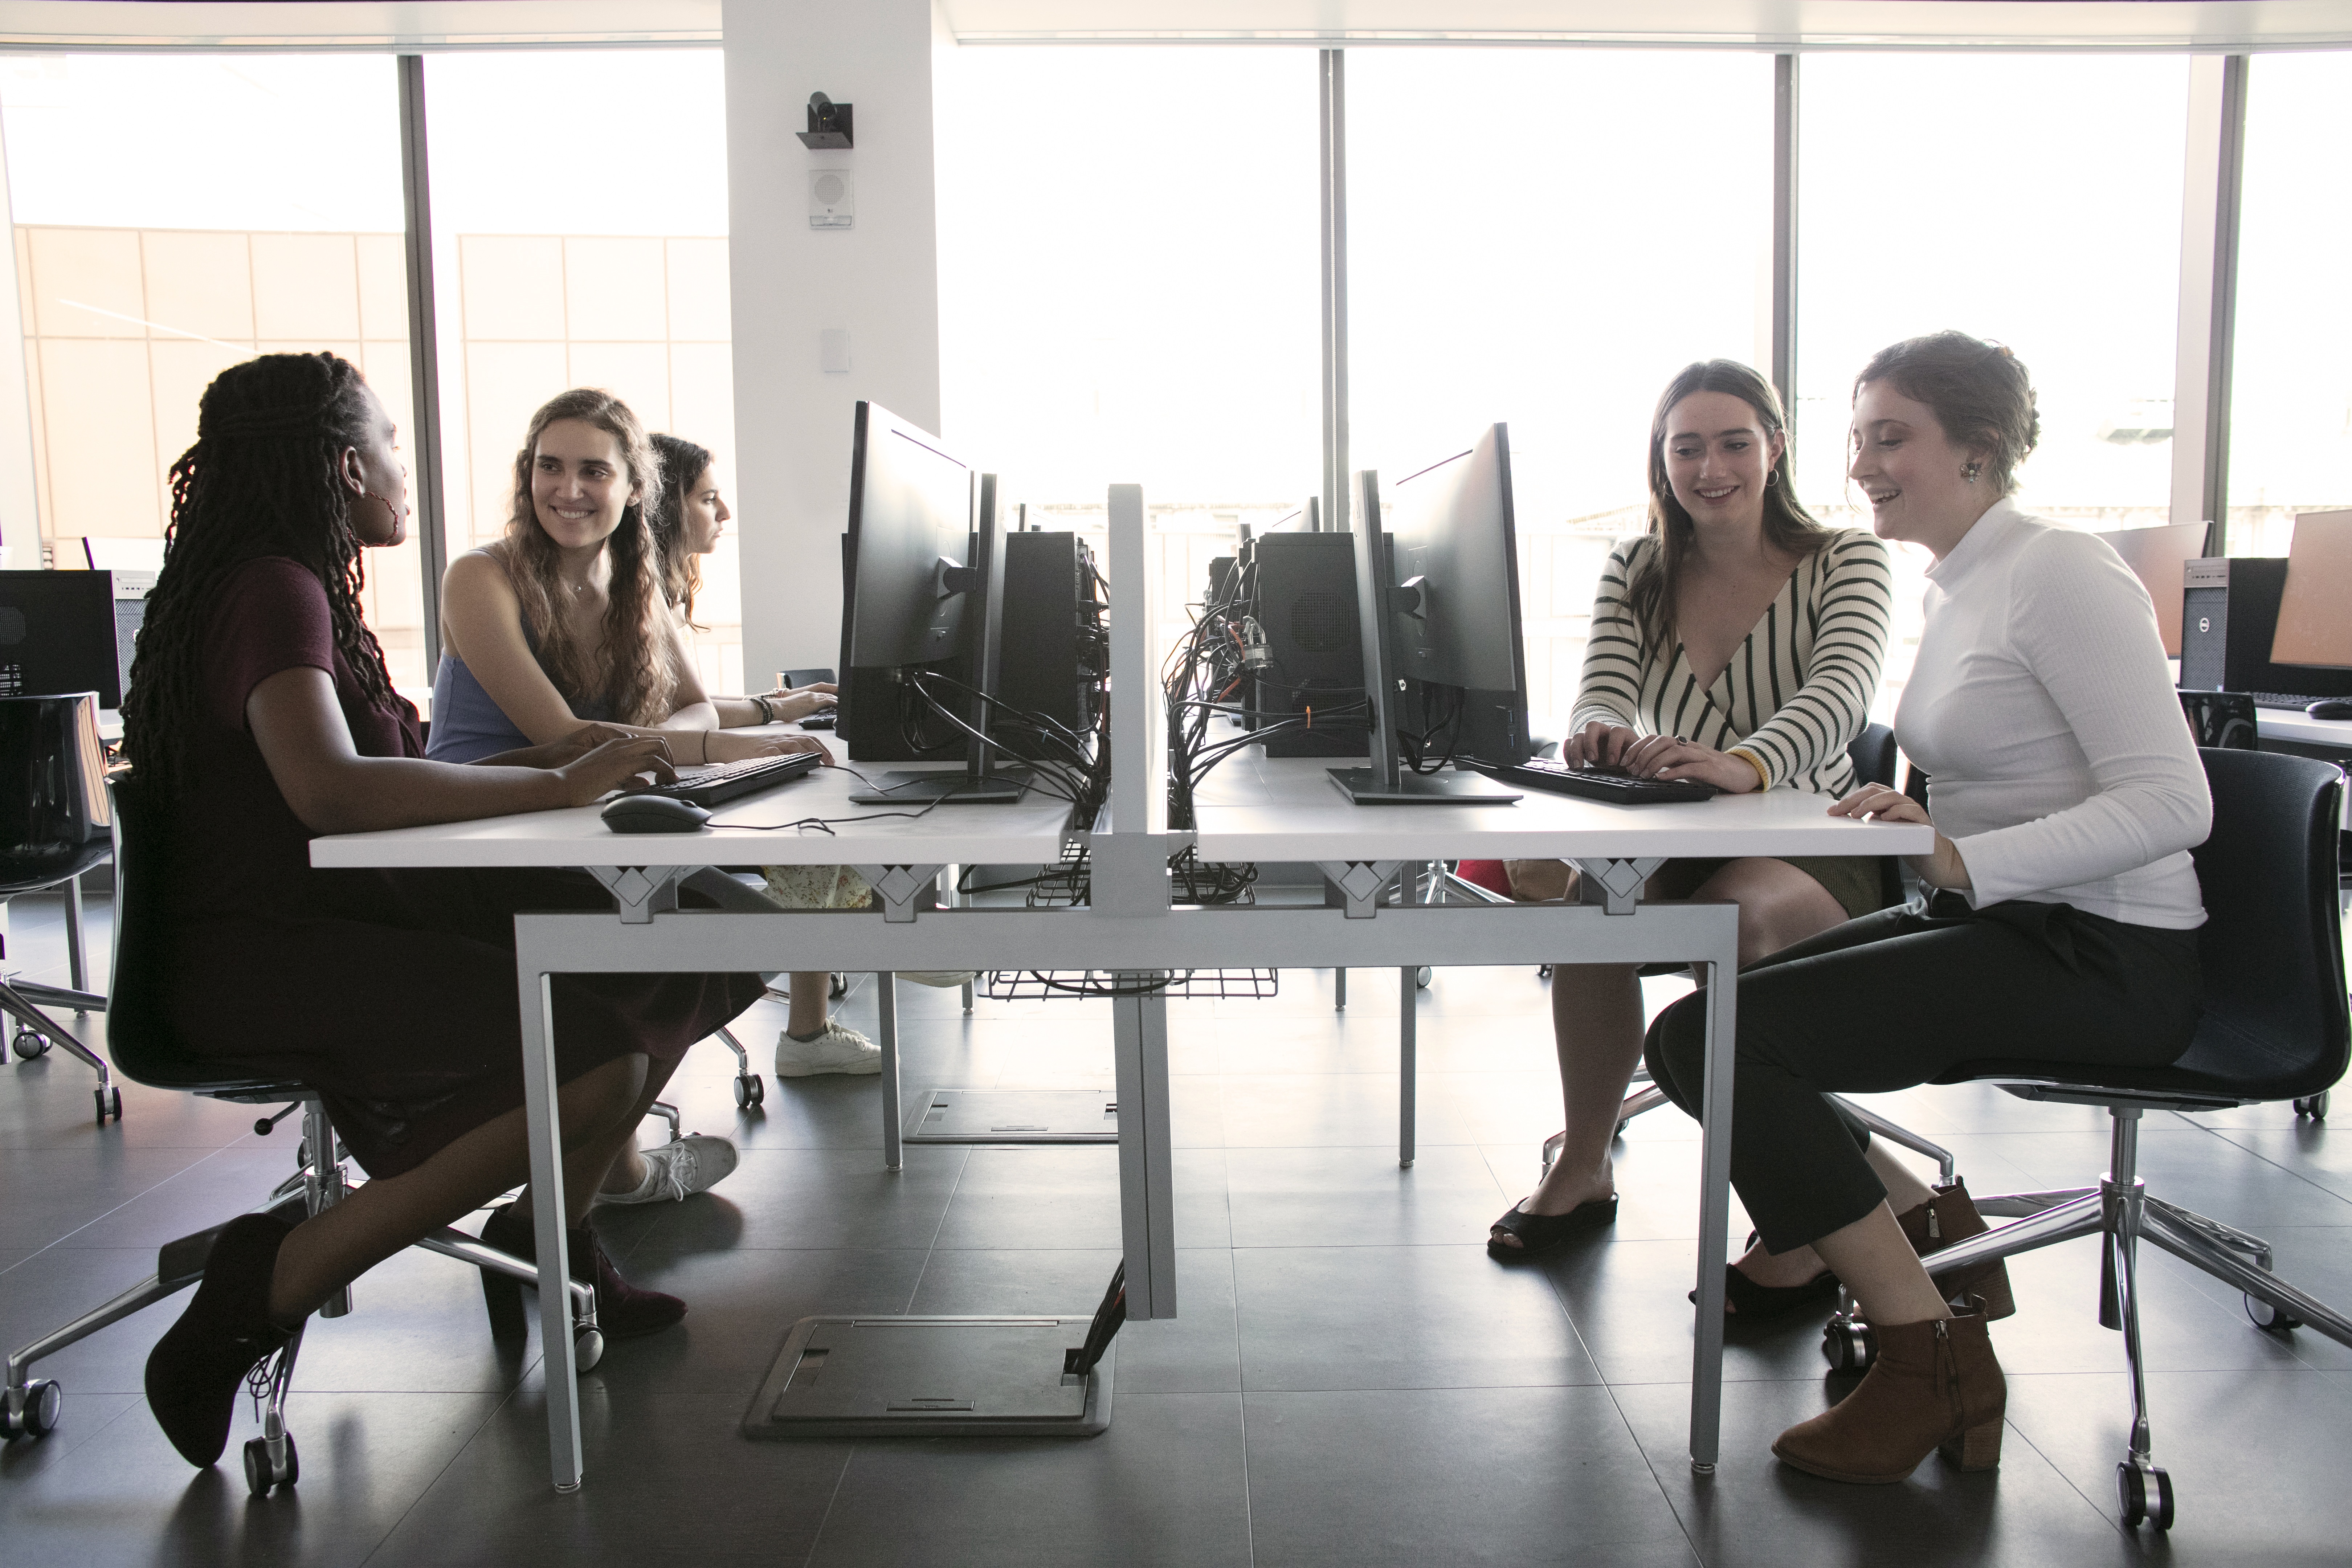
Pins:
x,y
636,668
682,463
263,480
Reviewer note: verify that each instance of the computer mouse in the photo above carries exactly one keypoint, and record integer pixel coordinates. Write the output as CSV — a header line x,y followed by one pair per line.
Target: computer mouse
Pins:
x,y
654,813
821,720
2331,708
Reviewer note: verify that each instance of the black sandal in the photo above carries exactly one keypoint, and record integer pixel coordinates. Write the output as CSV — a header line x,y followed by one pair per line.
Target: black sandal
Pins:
x,y
1762,1303
1540,1233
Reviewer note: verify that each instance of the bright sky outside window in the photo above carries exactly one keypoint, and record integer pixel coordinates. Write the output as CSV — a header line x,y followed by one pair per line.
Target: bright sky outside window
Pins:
x,y
174,215
2291,417
1543,237
2032,199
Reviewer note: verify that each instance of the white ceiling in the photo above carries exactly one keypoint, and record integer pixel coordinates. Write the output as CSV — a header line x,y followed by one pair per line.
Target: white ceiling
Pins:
x,y
1736,23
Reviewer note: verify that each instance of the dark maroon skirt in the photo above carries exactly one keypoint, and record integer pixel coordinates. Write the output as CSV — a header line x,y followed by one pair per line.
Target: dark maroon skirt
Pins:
x,y
395,997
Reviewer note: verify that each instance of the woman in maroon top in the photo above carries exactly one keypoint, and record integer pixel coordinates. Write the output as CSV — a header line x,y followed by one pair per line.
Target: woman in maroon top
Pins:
x,y
261,715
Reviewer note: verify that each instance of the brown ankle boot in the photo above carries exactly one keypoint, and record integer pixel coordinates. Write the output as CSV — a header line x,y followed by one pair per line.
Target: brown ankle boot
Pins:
x,y
1934,1386
1949,1216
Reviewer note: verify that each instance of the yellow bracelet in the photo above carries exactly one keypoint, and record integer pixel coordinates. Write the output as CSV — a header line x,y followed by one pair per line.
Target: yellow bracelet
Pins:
x,y
1763,775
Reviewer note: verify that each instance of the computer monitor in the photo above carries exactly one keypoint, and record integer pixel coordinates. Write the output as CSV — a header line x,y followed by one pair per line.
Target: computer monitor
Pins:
x,y
925,578
2314,618
1441,608
2159,558
62,632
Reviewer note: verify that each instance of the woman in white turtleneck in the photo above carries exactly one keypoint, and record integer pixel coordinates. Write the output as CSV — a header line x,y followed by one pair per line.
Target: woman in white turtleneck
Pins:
x,y
2066,794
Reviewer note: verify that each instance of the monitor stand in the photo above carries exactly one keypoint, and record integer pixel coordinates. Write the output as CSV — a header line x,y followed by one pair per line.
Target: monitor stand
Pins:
x,y
1364,786
902,788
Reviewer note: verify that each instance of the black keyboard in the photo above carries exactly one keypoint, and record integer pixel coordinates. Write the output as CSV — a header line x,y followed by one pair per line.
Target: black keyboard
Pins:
x,y
713,784
2282,700
1594,783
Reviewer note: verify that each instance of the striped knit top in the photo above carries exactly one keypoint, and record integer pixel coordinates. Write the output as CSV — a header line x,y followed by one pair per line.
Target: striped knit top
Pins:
x,y
1795,694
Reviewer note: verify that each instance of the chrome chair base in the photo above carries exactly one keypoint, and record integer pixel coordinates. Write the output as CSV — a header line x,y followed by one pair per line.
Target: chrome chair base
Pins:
x,y
30,1407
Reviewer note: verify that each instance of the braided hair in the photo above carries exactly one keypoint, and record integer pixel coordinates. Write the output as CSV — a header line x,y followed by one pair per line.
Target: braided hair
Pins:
x,y
682,463
263,480
635,670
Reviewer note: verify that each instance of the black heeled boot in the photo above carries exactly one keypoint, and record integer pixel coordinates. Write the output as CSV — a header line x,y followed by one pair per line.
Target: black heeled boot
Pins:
x,y
624,1312
196,1369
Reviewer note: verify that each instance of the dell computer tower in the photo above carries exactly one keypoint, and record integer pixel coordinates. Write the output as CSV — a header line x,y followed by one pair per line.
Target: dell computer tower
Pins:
x,y
1306,604
2229,614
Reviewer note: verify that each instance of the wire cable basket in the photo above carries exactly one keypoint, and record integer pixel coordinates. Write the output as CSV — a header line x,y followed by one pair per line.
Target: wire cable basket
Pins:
x,y
1053,984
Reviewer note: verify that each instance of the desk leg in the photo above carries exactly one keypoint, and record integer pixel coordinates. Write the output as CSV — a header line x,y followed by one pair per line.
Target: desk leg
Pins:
x,y
1340,990
538,997
1408,1062
1147,1174
1715,1214
76,966
886,1000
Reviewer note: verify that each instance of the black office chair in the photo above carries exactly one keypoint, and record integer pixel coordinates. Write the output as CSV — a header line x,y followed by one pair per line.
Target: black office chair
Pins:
x,y
149,1052
54,823
2274,1027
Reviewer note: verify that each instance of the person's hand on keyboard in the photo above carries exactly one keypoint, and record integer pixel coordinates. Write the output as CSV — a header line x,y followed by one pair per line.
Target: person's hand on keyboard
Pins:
x,y
791,704
1598,745
1686,761
739,745
612,764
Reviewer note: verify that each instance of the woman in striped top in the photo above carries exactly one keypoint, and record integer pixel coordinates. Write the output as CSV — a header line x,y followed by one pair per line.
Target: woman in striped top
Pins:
x,y
1738,643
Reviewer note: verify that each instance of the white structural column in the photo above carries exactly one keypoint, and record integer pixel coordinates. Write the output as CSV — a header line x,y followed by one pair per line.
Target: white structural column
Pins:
x,y
2209,292
875,284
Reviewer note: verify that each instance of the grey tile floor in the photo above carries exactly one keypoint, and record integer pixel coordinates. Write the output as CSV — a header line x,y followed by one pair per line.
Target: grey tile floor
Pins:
x,y
1351,1380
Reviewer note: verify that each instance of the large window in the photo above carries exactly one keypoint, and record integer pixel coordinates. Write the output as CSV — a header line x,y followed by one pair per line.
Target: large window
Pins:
x,y
1543,237
176,214
2030,199
1134,302
564,260
2290,412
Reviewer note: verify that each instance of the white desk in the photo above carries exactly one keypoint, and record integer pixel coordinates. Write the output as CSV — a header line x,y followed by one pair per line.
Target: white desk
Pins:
x,y
1253,810
2283,724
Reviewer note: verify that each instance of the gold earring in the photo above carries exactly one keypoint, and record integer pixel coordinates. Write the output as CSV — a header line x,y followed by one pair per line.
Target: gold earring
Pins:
x,y
1970,471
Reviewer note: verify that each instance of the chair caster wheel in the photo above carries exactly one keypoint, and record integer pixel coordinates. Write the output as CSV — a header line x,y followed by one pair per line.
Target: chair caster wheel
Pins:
x,y
109,1103
1421,978
262,1473
587,1347
2316,1107
1543,971
837,987
2144,1493
750,1090
28,1044
1849,1346
43,1400
2270,1319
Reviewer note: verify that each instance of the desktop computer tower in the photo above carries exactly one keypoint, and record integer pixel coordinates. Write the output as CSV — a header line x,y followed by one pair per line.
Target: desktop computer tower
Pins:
x,y
1052,659
1054,654
70,631
2229,614
1306,604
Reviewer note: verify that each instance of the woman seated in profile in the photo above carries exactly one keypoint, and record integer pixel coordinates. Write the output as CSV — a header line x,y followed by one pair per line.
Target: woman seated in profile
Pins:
x,y
1738,642
261,715
2066,796
563,620
687,522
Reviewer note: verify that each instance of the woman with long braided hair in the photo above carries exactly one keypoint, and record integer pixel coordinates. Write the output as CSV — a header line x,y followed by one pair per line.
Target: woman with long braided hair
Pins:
x,y
261,715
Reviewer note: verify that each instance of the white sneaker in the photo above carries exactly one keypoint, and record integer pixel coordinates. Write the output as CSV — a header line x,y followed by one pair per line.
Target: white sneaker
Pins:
x,y
946,979
838,1049
694,1163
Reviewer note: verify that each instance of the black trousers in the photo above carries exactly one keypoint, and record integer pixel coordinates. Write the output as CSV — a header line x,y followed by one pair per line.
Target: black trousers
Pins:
x,y
1898,998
